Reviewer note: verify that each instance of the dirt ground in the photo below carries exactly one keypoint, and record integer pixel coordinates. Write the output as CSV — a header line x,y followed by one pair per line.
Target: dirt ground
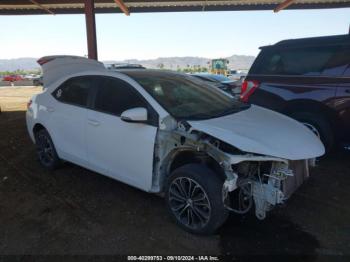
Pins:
x,y
73,211
16,98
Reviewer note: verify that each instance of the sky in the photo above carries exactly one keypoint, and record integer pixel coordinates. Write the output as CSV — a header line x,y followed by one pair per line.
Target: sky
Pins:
x,y
152,35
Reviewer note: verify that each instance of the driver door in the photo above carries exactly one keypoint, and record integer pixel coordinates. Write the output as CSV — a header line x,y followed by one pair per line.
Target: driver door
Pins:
x,y
119,149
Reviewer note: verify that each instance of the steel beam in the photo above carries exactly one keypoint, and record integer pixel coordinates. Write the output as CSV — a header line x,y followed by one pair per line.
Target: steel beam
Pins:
x,y
283,5
122,6
41,6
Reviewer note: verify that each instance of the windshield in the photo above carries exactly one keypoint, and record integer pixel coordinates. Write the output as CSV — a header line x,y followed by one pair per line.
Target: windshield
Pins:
x,y
186,97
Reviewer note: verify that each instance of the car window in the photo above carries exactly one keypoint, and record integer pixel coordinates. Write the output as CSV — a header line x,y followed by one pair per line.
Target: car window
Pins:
x,y
338,63
313,61
186,97
75,91
114,96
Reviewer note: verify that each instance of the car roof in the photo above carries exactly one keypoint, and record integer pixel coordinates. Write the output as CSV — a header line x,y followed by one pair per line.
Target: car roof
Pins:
x,y
207,75
201,74
148,72
117,66
312,41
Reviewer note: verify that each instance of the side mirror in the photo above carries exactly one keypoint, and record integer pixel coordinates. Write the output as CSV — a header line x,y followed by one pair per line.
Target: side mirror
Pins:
x,y
135,115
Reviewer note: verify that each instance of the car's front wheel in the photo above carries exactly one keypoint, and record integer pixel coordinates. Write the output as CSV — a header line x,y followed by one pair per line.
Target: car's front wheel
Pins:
x,y
318,124
46,150
194,199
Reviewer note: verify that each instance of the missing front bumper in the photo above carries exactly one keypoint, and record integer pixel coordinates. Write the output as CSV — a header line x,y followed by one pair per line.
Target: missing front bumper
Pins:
x,y
269,190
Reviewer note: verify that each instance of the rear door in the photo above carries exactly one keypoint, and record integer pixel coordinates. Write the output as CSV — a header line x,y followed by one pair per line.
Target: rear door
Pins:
x,y
341,102
119,149
68,117
295,73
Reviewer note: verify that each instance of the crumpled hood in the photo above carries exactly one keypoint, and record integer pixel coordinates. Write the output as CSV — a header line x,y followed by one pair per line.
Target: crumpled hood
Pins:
x,y
262,131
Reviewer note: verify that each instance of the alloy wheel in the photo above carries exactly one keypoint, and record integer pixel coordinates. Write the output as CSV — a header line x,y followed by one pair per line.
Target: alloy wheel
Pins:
x,y
189,203
45,150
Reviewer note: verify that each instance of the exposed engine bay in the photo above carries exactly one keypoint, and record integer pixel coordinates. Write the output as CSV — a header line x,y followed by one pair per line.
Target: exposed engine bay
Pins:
x,y
249,179
265,183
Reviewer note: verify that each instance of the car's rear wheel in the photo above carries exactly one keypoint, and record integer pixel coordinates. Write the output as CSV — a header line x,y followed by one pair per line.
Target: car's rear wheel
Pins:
x,y
194,199
46,150
318,124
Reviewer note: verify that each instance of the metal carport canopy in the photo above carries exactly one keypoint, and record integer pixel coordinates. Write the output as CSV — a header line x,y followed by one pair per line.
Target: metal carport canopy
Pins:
x,y
90,7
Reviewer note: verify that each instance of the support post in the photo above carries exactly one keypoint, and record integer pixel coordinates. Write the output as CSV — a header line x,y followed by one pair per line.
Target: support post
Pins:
x,y
91,29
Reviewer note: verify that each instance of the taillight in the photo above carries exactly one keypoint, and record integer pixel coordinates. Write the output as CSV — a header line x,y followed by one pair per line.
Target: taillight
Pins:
x,y
248,88
29,103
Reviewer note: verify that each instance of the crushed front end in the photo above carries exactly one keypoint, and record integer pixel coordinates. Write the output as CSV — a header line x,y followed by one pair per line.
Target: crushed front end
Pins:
x,y
264,183
251,180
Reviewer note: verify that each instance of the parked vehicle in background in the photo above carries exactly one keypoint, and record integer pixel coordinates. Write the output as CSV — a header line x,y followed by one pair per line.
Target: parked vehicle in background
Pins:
x,y
220,81
307,79
164,132
38,81
237,74
12,78
218,66
30,76
118,66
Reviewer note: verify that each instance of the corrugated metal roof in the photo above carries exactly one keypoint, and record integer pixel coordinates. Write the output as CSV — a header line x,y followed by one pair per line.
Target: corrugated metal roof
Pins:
x,y
136,6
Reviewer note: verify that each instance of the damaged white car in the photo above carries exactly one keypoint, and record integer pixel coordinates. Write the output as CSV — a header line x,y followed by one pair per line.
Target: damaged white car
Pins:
x,y
168,133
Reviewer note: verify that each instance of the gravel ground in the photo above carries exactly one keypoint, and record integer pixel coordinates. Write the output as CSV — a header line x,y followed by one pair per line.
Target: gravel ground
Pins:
x,y
73,211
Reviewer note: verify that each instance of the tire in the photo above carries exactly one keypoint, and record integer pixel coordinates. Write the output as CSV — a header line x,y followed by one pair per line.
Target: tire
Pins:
x,y
46,151
204,211
318,124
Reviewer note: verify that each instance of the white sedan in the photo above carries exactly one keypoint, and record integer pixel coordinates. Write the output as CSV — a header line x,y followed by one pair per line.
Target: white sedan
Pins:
x,y
166,132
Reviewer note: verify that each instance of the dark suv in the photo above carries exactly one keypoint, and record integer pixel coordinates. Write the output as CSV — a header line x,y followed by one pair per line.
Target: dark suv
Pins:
x,y
307,79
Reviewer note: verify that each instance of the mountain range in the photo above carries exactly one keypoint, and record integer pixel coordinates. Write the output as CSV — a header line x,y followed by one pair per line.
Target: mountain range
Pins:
x,y
235,62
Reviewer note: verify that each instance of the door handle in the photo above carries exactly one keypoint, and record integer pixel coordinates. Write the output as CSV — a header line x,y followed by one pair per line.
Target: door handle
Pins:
x,y
347,91
93,122
50,109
